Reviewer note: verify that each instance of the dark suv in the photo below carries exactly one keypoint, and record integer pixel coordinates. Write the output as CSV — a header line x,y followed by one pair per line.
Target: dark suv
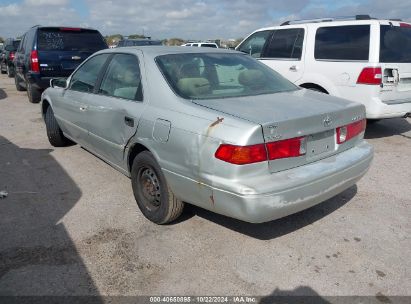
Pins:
x,y
50,52
6,61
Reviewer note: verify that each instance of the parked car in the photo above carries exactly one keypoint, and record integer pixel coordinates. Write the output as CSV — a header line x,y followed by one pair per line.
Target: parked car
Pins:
x,y
211,127
47,52
360,59
138,42
6,62
202,44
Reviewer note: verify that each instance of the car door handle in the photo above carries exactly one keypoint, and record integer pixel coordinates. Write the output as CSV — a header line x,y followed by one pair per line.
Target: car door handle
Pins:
x,y
293,68
83,108
129,121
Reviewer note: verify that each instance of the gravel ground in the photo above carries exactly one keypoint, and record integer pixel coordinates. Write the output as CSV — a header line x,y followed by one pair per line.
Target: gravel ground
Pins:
x,y
70,226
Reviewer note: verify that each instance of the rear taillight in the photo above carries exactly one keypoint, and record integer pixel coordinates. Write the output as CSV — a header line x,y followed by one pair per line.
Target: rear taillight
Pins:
x,y
11,55
370,75
241,155
34,60
347,132
292,147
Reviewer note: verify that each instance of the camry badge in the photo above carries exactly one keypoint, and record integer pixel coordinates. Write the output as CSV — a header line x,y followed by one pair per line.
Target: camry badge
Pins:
x,y
327,121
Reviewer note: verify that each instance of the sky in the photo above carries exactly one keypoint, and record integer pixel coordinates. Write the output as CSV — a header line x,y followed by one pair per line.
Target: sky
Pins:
x,y
187,19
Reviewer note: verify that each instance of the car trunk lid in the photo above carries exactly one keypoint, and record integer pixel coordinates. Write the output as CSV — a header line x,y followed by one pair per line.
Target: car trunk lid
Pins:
x,y
302,113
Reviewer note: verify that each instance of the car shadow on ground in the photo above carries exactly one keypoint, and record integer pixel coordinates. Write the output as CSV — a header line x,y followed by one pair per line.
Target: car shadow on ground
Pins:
x,y
387,128
299,295
3,94
37,255
280,227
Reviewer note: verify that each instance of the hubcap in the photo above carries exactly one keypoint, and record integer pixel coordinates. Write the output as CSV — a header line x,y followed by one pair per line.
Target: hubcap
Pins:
x,y
150,187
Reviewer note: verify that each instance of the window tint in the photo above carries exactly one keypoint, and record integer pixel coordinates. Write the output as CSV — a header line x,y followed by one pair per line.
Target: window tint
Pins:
x,y
85,78
55,39
123,78
287,43
255,43
350,42
216,75
395,44
208,45
16,44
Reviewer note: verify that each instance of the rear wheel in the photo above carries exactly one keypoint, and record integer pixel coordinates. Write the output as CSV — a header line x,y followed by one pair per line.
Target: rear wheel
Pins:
x,y
54,133
2,69
17,83
33,94
10,71
153,196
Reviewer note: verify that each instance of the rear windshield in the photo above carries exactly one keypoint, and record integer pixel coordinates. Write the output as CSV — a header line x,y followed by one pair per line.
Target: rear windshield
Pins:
x,y
16,44
216,75
70,40
395,44
208,45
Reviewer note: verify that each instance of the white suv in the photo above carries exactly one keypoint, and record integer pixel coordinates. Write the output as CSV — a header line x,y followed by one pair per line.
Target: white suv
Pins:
x,y
359,58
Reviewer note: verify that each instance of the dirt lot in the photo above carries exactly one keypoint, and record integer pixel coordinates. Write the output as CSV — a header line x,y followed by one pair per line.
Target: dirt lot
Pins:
x,y
70,226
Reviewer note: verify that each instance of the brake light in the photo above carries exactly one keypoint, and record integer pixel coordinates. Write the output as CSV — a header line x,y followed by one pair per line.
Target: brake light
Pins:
x,y
34,60
292,147
370,75
70,29
241,155
11,55
347,132
405,24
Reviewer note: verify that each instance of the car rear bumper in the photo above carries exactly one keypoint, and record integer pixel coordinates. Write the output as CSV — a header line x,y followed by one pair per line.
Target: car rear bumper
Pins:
x,y
388,108
290,191
39,82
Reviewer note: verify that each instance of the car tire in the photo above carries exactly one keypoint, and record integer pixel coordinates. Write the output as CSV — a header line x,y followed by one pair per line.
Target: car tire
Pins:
x,y
9,71
1,69
17,83
153,195
33,94
54,133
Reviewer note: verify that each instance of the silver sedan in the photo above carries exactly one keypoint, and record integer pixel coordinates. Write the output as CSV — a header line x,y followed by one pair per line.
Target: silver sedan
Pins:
x,y
209,127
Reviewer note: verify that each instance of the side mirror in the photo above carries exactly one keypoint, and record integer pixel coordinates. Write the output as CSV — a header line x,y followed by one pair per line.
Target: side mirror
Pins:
x,y
58,83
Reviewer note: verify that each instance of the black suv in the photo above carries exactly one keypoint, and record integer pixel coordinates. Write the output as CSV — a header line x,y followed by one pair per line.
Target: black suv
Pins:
x,y
6,61
50,52
138,42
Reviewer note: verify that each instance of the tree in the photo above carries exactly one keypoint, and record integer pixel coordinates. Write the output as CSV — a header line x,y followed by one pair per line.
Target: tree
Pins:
x,y
113,39
136,36
174,41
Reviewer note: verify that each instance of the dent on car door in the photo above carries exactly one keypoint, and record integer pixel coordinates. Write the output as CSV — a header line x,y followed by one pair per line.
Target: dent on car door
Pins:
x,y
72,110
116,110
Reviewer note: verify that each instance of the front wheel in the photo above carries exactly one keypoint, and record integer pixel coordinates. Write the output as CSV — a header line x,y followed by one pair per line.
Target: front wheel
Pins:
x,y
54,133
10,71
153,196
33,94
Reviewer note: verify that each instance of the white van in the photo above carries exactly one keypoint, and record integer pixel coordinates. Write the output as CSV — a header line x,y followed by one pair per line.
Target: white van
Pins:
x,y
359,58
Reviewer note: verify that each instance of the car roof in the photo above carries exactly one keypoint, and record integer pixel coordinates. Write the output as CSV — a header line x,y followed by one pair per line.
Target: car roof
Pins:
x,y
154,50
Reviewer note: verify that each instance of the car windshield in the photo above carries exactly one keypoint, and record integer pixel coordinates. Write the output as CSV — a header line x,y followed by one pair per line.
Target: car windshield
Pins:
x,y
395,44
55,39
218,75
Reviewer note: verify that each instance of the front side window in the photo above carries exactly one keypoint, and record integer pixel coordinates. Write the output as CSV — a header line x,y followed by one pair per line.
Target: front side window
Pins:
x,y
217,75
255,43
286,44
123,78
395,44
85,78
349,42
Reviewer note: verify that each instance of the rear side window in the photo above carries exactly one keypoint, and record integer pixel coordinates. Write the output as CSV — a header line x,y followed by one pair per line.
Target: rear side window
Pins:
x,y
351,42
85,78
210,45
56,39
123,78
395,44
255,43
286,44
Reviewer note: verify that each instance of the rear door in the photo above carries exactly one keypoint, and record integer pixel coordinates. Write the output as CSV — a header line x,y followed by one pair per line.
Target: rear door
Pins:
x,y
284,52
115,112
395,59
61,49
